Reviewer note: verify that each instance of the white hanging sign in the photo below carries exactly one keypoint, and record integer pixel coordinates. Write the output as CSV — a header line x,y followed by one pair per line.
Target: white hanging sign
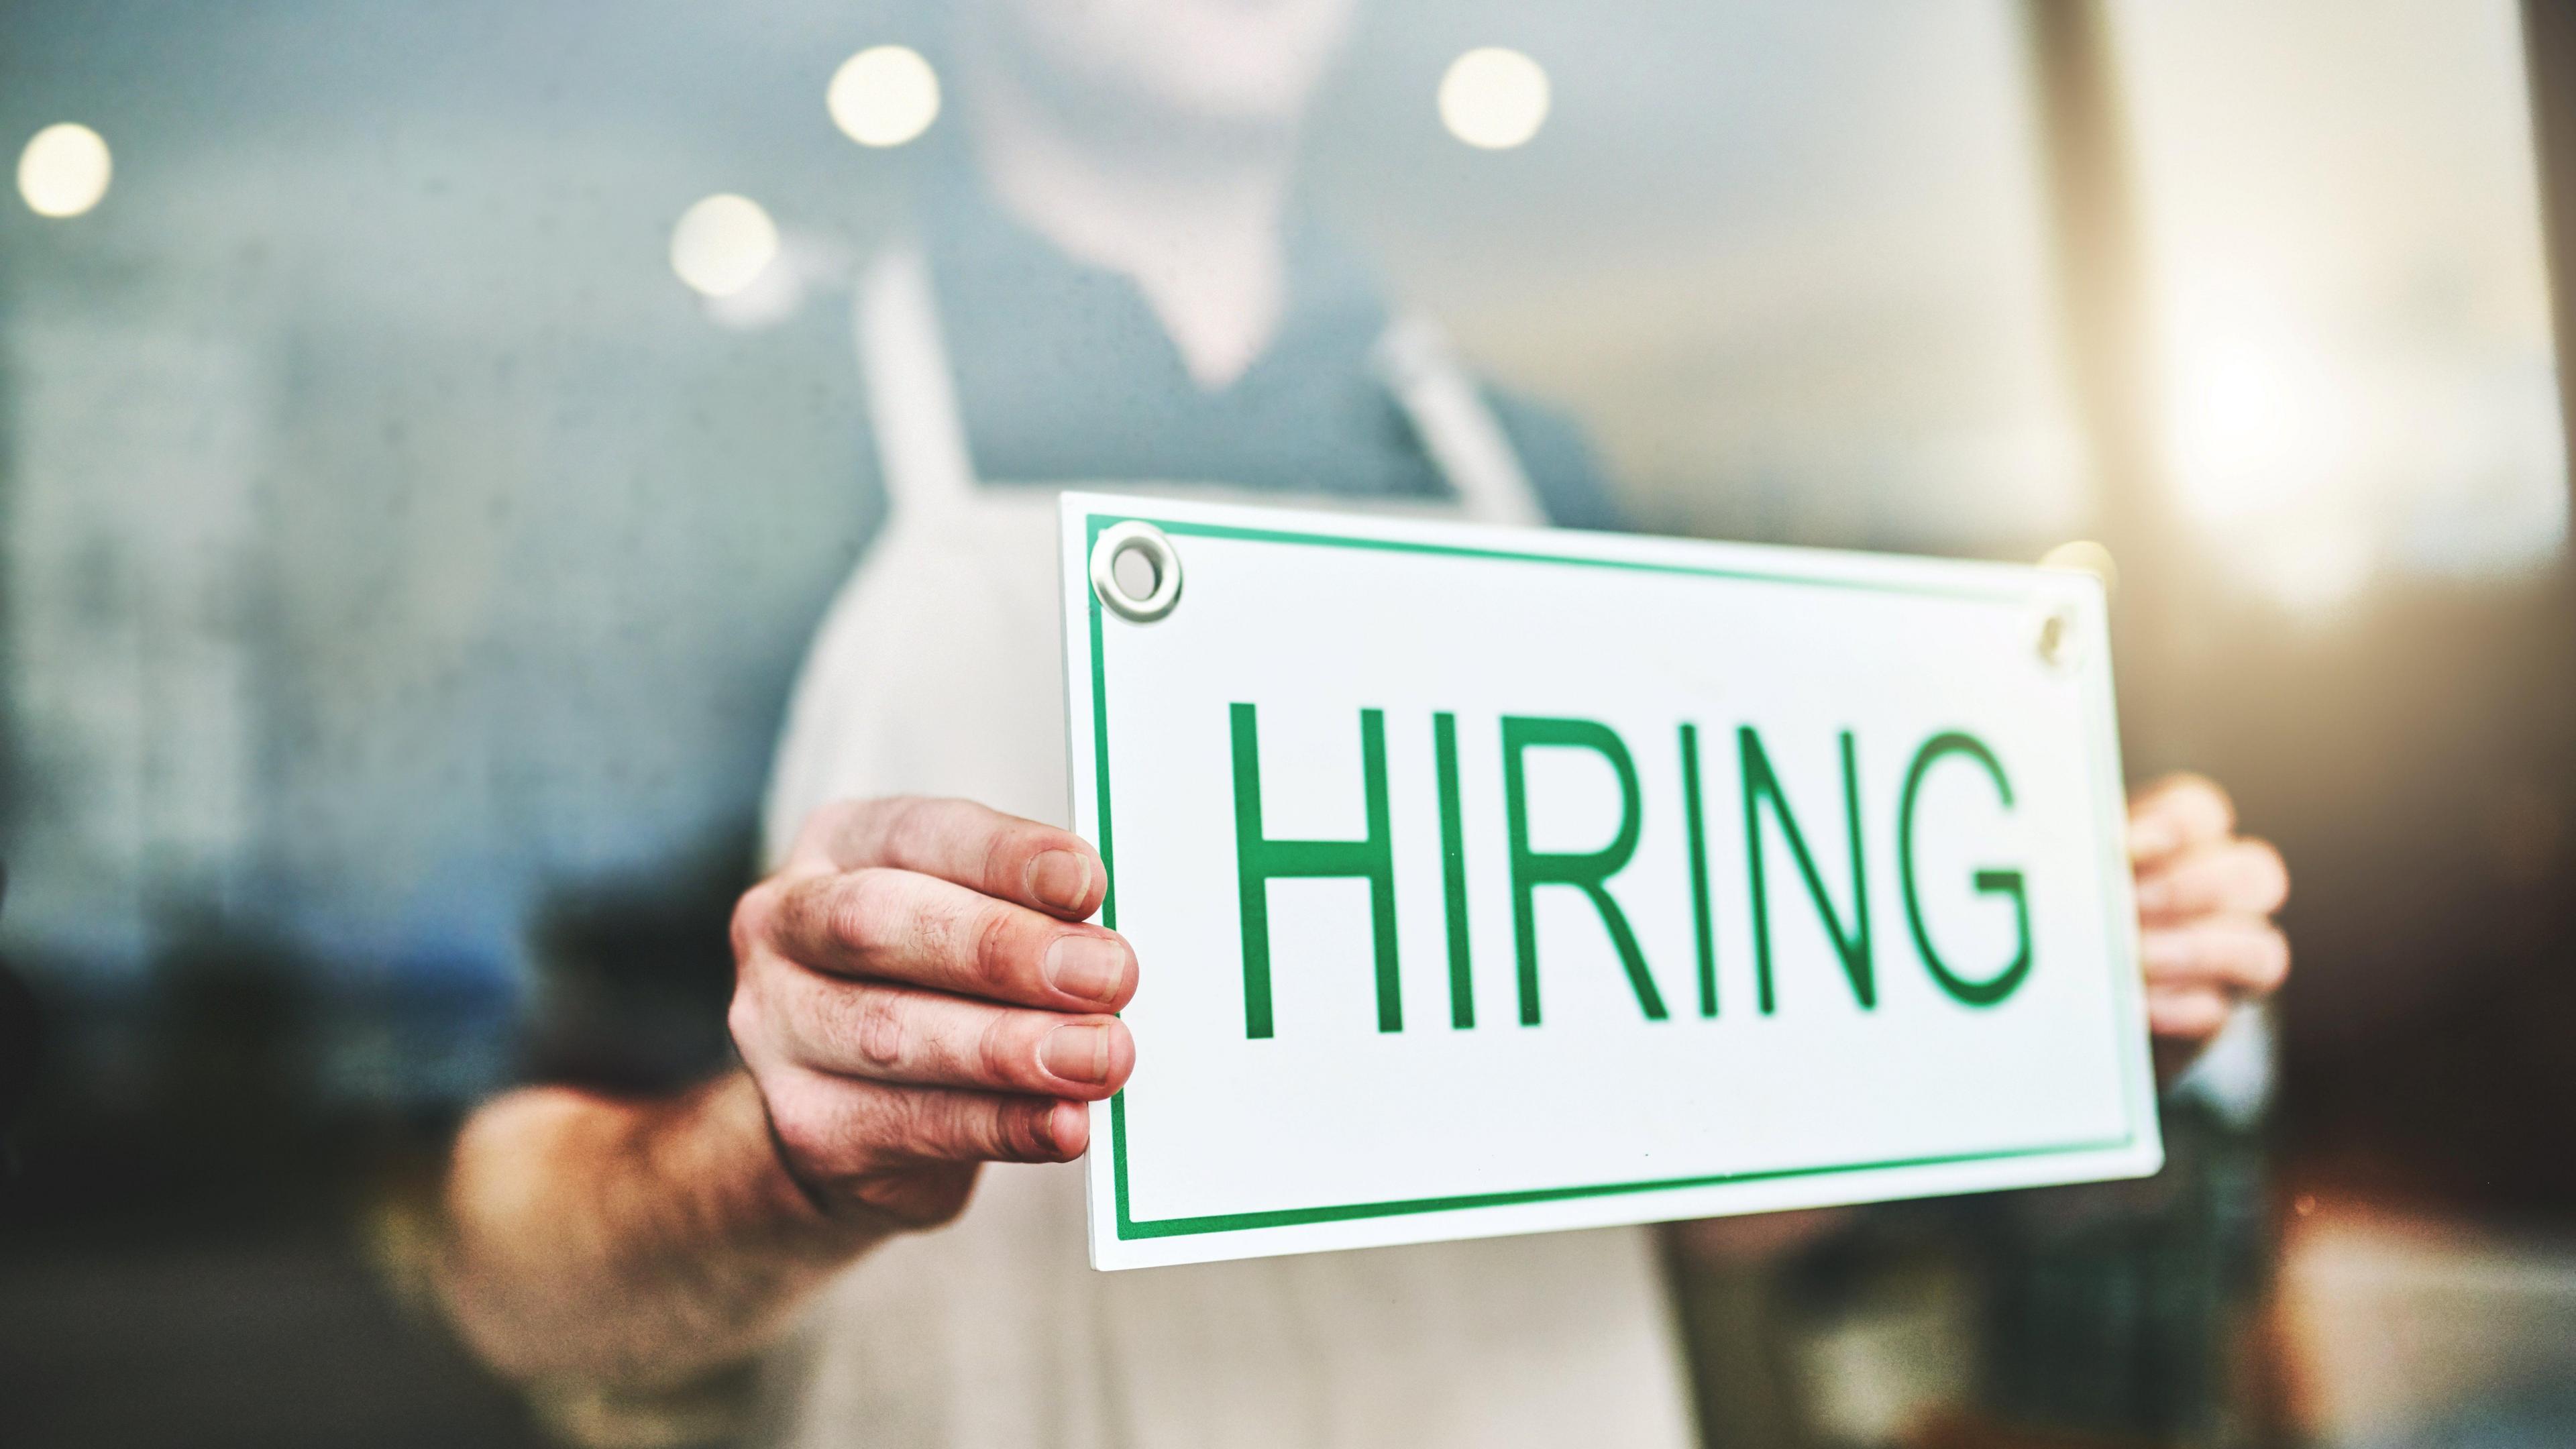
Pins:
x,y
1500,880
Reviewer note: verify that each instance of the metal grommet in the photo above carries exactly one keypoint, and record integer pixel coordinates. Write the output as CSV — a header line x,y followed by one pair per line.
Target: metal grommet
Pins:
x,y
2059,646
1146,540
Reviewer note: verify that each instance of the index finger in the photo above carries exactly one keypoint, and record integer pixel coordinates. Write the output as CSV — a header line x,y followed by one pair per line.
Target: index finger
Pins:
x,y
2177,813
984,850
901,925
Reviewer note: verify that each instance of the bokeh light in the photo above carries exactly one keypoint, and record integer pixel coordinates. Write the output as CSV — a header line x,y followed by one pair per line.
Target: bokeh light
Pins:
x,y
722,243
1493,98
884,96
64,170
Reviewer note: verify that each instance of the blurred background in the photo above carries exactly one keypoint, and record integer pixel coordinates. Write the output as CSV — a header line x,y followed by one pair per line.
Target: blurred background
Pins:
x,y
429,433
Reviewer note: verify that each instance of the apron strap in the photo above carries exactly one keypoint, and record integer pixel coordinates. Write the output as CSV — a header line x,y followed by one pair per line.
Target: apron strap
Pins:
x,y
912,394
1460,432
921,437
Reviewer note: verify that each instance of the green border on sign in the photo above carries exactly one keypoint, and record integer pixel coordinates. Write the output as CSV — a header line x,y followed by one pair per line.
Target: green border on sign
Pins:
x,y
1129,1228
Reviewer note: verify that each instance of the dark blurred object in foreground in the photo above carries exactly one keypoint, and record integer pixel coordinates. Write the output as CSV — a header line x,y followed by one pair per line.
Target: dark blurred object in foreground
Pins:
x,y
21,1050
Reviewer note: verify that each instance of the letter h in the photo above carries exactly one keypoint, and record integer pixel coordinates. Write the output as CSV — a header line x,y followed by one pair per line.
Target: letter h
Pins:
x,y
1260,860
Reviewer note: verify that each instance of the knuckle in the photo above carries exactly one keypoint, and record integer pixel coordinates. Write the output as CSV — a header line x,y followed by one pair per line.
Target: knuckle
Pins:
x,y
868,832
753,917
2237,963
986,1125
2194,951
934,921
2226,955
1000,847
2205,794
2188,891
2182,955
911,829
1009,846
965,1126
952,1125
995,946
961,1126
995,1131
867,909
1020,1131
1000,1055
825,827
880,1031
908,1124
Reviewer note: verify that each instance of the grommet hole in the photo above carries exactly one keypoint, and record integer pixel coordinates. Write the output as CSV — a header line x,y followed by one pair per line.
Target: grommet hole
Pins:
x,y
1135,572
1134,569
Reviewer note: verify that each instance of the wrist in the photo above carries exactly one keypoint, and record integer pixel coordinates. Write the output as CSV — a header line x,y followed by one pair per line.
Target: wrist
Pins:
x,y
726,1137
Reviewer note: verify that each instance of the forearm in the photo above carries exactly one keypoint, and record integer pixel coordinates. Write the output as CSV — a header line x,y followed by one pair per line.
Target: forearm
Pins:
x,y
634,1242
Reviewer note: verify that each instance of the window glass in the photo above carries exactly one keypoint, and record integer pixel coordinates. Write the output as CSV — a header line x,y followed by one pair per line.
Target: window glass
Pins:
x,y
431,453
2342,216
1789,261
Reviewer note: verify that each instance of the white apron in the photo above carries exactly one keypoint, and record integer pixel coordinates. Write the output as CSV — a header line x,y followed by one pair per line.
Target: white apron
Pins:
x,y
939,671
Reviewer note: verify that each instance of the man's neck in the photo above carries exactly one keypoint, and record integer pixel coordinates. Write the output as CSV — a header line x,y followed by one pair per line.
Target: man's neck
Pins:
x,y
1198,230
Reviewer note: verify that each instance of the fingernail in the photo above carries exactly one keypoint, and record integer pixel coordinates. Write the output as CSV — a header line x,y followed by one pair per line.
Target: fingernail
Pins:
x,y
1061,879
1091,967
2152,839
1077,1053
2154,895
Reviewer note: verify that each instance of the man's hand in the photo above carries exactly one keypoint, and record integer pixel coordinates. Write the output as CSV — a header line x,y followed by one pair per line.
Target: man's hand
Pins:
x,y
2205,901
915,995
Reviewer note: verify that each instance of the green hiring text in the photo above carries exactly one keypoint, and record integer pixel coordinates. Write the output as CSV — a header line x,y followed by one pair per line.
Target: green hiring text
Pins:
x,y
1260,859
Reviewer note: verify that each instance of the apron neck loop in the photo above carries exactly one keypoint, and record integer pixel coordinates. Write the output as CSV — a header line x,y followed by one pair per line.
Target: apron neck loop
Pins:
x,y
1465,440
912,394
